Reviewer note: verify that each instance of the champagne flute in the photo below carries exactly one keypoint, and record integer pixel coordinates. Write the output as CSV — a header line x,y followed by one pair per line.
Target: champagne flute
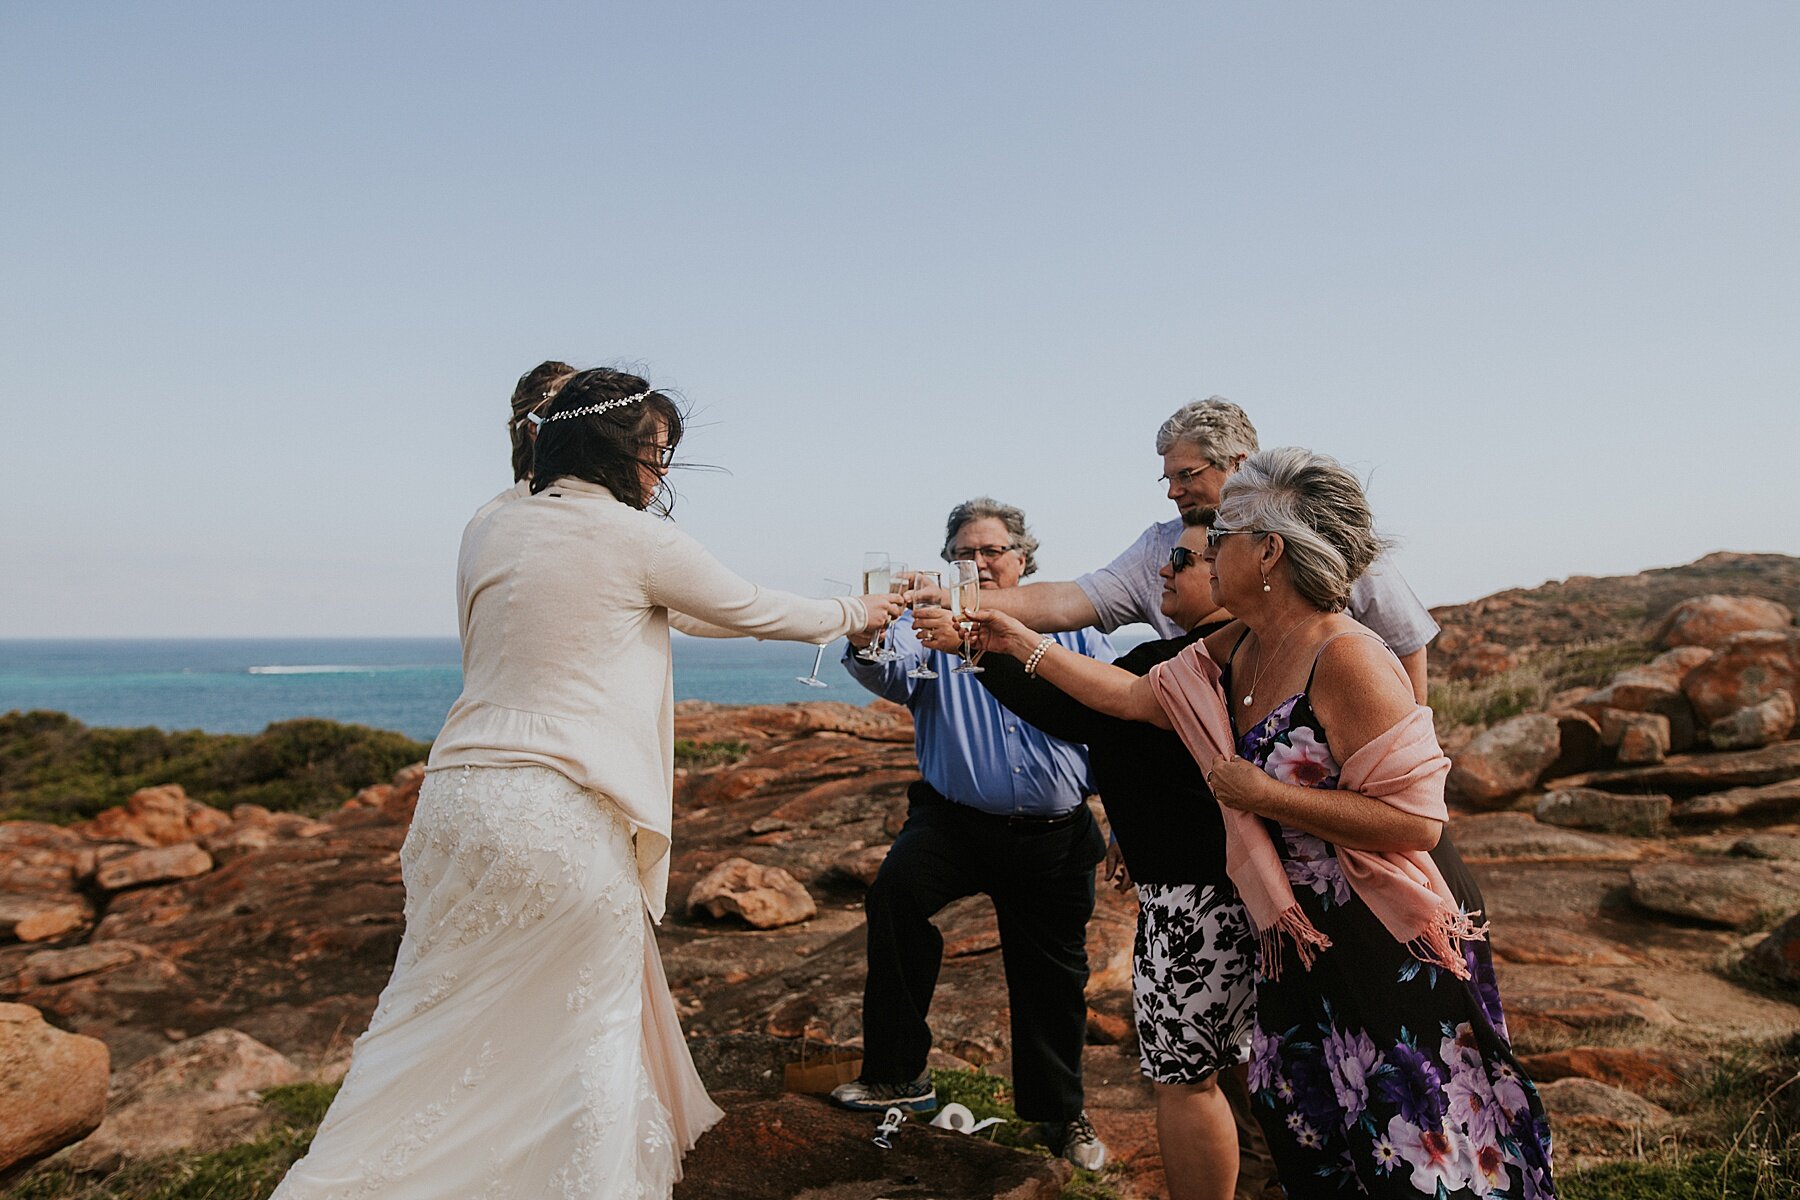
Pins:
x,y
813,680
923,580
965,587
877,575
897,585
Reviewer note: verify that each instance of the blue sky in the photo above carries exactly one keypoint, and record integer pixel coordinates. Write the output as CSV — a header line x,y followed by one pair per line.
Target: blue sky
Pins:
x,y
270,274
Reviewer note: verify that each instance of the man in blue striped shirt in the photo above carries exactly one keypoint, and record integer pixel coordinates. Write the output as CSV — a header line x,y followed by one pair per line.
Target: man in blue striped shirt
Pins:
x,y
1001,810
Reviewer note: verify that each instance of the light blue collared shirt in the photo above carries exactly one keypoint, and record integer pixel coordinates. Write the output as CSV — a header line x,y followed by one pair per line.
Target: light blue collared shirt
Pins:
x,y
970,748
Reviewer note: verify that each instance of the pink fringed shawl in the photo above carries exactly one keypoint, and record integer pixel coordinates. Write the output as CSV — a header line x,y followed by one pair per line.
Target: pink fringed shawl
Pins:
x,y
1403,767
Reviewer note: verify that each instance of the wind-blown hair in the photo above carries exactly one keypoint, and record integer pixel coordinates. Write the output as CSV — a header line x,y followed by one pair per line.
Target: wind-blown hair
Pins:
x,y
1017,532
1217,428
606,448
1318,508
533,393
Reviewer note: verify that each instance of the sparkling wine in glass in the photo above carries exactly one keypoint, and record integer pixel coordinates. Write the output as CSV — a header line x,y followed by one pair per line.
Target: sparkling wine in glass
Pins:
x,y
923,580
965,586
897,585
877,577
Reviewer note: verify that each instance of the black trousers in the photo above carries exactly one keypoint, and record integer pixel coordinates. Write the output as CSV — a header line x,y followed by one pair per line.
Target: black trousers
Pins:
x,y
1041,880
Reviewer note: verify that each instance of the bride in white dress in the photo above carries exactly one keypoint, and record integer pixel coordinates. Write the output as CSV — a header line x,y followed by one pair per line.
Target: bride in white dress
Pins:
x,y
526,1045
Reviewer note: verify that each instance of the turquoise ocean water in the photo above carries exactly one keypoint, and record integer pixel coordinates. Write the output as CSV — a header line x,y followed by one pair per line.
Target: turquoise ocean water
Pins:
x,y
405,684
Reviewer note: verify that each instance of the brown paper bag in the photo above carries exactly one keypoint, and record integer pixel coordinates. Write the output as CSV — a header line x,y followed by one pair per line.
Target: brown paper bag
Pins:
x,y
820,1069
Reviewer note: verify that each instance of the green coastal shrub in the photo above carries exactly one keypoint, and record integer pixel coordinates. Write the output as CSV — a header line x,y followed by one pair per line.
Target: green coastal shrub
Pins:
x,y
53,768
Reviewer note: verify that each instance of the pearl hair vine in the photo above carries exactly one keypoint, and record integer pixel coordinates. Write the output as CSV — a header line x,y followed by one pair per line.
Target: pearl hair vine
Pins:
x,y
589,411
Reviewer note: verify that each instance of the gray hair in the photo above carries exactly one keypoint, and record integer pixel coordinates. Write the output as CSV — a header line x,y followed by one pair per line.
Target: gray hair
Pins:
x,y
1020,536
1318,508
1216,427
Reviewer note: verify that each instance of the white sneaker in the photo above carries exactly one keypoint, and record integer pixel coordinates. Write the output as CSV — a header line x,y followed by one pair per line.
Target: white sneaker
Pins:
x,y
858,1094
1076,1142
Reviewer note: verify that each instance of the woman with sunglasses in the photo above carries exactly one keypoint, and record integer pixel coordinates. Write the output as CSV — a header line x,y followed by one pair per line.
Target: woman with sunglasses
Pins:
x,y
1190,967
1381,1064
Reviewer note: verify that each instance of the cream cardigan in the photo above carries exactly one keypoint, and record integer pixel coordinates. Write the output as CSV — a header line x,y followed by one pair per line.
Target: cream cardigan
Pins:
x,y
564,602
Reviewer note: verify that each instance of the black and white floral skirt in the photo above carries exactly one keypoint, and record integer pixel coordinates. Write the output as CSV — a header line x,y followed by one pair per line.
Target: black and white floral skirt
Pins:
x,y
1191,985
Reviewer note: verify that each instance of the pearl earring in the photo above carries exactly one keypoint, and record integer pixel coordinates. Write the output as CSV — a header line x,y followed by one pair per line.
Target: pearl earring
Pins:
x,y
1266,583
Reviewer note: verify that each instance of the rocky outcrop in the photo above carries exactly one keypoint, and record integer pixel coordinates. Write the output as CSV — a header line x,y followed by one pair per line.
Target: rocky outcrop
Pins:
x,y
43,917
1737,894
52,1087
196,1095
1777,957
800,1146
1576,1102
1687,774
1637,1068
1504,761
765,897
1523,624
164,864
155,816
1746,670
1607,812
43,858
1710,620
1766,721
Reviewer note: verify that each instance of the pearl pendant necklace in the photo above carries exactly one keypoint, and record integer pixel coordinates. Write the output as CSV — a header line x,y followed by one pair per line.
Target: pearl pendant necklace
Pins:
x,y
1262,665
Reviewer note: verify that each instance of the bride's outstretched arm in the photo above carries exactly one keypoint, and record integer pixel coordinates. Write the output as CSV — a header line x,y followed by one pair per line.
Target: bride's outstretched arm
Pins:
x,y
684,577
1101,686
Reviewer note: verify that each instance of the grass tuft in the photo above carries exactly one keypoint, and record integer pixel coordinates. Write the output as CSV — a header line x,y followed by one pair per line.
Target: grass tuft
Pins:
x,y
987,1096
695,755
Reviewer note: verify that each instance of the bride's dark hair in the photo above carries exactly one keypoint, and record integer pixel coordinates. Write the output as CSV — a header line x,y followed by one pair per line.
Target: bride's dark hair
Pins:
x,y
607,448
533,394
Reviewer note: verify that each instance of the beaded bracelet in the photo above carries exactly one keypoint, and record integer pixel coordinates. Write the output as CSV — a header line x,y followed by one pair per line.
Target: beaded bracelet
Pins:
x,y
1037,655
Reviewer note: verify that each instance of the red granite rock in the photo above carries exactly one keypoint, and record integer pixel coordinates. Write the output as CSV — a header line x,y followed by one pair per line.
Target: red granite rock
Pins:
x,y
163,864
1777,957
1746,670
1635,1068
1504,761
1735,893
35,857
1768,721
155,816
52,1086
38,918
199,1094
765,897
1710,620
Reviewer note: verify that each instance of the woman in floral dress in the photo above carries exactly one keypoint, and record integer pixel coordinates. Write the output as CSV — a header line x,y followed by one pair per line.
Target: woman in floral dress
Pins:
x,y
1380,1060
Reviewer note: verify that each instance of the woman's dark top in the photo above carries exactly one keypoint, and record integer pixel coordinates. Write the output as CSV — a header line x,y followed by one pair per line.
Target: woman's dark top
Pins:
x,y
1162,813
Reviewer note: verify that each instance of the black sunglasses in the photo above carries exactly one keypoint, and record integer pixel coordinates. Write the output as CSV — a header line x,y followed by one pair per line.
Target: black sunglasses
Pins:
x,y
1181,558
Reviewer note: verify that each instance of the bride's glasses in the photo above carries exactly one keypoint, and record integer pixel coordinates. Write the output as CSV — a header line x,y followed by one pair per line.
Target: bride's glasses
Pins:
x,y
928,582
965,589
835,588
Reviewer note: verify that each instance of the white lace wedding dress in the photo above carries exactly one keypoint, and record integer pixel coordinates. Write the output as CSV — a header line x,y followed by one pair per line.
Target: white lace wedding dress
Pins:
x,y
526,1045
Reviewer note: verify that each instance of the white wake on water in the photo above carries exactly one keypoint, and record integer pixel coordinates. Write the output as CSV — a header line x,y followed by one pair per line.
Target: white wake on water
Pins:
x,y
322,669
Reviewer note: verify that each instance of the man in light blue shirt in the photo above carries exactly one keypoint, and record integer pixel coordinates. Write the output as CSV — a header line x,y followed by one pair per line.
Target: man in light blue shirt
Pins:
x,y
1001,810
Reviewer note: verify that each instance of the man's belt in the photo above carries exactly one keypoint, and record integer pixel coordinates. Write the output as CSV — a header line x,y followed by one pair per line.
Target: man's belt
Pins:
x,y
921,792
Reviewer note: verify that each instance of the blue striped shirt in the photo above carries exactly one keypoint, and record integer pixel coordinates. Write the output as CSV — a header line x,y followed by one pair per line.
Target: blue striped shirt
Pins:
x,y
970,748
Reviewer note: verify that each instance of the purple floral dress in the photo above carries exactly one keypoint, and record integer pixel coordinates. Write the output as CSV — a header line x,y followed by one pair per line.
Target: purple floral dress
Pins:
x,y
1372,1073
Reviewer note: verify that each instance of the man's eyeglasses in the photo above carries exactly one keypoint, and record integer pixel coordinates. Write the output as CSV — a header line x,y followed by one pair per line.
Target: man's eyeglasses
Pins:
x,y
985,553
1180,559
1186,476
1218,533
